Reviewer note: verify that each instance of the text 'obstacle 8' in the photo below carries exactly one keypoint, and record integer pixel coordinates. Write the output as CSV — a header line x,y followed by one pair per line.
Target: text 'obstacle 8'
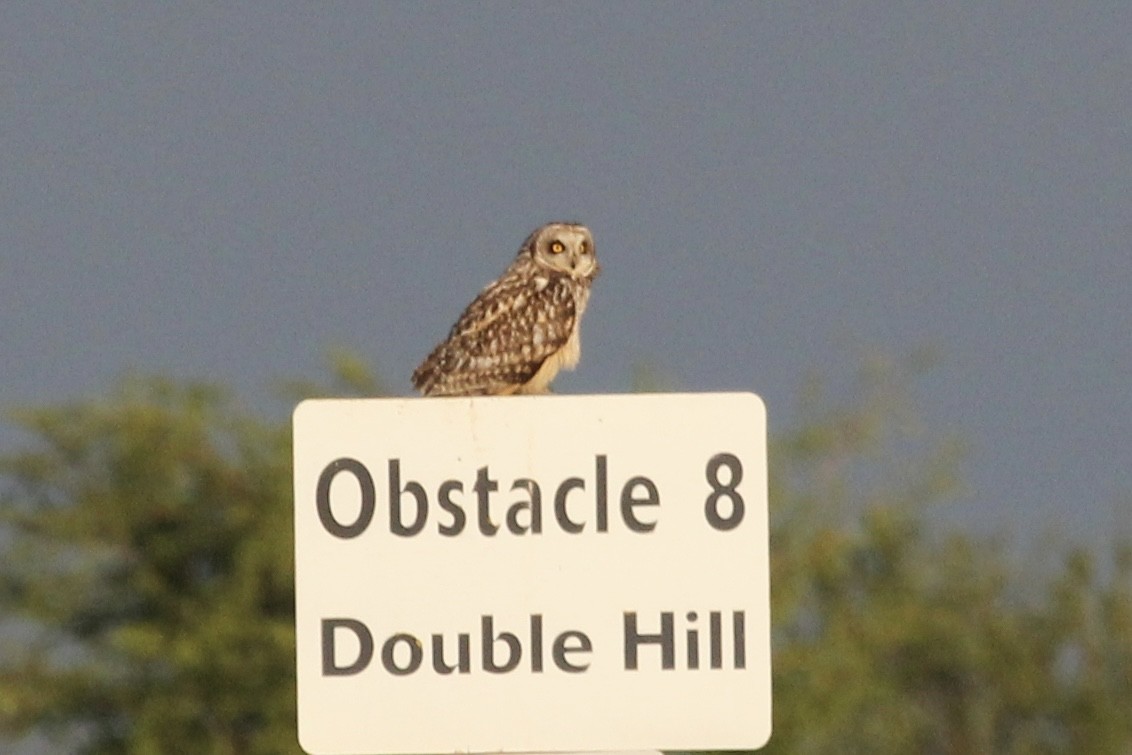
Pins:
x,y
574,502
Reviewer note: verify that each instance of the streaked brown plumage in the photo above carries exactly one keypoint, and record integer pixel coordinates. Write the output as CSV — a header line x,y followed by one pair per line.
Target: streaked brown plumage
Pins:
x,y
522,328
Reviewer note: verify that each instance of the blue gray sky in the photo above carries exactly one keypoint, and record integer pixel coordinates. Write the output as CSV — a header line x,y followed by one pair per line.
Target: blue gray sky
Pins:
x,y
224,193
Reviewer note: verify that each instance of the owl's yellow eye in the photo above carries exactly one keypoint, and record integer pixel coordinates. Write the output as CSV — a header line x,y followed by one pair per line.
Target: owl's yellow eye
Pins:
x,y
557,247
584,248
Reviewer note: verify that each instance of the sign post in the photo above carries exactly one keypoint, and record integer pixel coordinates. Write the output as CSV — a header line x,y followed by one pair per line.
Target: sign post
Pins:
x,y
546,573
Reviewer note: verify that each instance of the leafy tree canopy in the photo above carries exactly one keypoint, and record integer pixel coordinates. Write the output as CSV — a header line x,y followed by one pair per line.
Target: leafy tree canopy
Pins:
x,y
146,587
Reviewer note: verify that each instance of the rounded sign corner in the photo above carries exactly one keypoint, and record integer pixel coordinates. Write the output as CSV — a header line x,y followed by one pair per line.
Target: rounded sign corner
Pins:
x,y
304,407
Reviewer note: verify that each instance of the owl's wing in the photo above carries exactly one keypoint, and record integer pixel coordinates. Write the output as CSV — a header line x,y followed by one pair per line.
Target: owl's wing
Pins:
x,y
501,339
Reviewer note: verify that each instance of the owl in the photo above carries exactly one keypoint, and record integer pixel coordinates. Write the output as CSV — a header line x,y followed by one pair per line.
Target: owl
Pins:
x,y
523,327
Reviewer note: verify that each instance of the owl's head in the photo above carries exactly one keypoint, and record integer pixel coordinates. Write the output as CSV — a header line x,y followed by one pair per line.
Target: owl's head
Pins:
x,y
564,248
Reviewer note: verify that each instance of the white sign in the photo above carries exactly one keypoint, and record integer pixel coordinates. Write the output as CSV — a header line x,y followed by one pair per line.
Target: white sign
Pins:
x,y
542,573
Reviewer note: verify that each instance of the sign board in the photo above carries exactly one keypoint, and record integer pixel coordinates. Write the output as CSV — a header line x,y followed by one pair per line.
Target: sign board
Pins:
x,y
542,573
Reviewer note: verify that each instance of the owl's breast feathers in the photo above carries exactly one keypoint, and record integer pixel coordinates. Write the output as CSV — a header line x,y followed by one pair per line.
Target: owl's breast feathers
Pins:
x,y
514,337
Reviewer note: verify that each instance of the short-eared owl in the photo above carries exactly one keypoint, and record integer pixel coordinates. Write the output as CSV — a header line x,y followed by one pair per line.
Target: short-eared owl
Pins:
x,y
522,328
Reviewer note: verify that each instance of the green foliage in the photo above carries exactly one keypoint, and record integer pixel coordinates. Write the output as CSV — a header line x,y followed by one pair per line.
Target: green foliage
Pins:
x,y
889,637
151,556
146,587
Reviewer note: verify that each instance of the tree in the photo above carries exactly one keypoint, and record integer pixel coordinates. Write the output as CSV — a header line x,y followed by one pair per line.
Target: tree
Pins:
x,y
146,588
891,636
151,556
148,560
